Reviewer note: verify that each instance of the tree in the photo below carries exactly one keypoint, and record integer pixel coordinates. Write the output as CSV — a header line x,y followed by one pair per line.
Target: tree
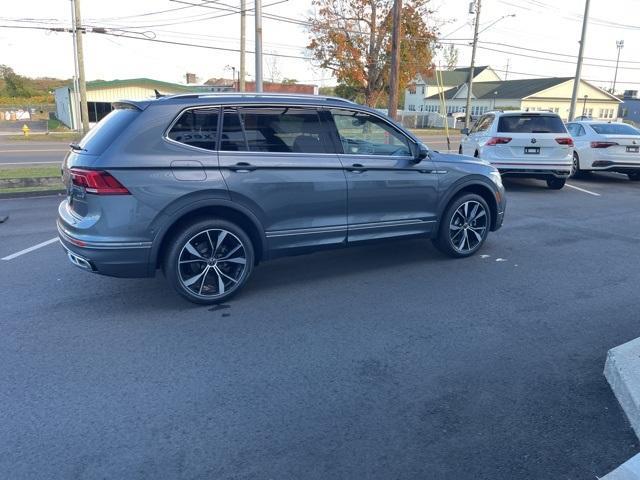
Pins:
x,y
451,57
289,81
352,39
14,85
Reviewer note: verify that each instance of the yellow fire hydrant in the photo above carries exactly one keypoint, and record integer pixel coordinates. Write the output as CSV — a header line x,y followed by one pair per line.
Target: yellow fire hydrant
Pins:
x,y
25,130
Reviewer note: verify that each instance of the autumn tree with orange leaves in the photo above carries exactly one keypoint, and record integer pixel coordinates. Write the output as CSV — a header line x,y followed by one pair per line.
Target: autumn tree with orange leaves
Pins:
x,y
352,39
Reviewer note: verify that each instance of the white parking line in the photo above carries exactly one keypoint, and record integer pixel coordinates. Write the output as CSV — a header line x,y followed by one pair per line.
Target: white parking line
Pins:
x,y
583,190
30,249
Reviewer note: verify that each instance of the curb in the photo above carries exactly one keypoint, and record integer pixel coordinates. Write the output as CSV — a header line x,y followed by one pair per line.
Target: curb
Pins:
x,y
622,371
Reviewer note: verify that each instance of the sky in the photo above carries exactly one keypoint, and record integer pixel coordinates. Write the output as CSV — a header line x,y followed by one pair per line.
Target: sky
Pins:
x,y
549,29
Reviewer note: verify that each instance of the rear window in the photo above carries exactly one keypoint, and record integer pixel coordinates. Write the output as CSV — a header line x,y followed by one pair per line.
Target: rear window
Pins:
x,y
108,129
531,124
614,129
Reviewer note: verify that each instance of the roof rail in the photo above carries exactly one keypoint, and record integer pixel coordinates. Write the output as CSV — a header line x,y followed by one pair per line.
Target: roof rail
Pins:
x,y
258,95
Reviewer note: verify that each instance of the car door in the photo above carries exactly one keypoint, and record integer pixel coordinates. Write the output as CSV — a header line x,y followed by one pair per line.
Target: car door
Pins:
x,y
280,163
389,193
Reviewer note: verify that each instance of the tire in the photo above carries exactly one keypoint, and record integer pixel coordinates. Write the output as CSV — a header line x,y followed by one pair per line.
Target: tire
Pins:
x,y
556,183
634,177
209,261
575,170
454,237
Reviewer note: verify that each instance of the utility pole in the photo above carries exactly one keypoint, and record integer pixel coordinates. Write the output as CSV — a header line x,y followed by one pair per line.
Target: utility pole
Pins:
x,y
467,112
76,86
619,45
576,81
258,14
82,85
395,61
506,72
243,38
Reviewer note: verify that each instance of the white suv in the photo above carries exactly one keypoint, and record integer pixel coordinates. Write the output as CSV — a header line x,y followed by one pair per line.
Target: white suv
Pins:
x,y
524,144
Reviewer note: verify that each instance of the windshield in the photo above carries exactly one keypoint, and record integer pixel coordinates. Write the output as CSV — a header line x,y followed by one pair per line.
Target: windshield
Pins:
x,y
614,129
531,123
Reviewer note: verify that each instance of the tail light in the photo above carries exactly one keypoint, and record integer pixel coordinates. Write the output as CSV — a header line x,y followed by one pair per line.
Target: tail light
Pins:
x,y
565,141
97,182
603,144
497,141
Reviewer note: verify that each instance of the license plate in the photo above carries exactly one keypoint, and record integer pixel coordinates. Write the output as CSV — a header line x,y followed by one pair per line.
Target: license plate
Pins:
x,y
633,149
532,150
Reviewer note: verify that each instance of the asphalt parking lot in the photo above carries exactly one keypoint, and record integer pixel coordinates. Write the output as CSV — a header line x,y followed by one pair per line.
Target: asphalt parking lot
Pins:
x,y
385,361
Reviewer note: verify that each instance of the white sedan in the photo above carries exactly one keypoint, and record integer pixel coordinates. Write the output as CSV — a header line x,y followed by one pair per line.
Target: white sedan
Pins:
x,y
608,147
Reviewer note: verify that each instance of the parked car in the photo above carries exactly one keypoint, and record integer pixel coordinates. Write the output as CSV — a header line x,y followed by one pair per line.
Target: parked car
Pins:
x,y
606,147
206,186
523,144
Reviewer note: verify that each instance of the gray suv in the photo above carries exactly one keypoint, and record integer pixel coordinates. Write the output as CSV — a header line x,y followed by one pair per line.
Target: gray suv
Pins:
x,y
207,186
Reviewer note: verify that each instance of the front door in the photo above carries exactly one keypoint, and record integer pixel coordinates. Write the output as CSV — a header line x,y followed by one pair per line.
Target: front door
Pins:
x,y
280,163
389,194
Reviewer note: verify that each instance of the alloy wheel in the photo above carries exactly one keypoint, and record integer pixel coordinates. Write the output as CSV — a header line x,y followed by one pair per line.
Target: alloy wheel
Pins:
x,y
468,226
212,263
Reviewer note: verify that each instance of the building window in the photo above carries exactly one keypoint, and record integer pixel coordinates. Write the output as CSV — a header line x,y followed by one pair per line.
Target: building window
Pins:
x,y
412,108
422,88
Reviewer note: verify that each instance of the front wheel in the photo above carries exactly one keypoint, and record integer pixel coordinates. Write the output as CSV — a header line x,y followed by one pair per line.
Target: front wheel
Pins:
x,y
634,177
556,183
464,226
209,261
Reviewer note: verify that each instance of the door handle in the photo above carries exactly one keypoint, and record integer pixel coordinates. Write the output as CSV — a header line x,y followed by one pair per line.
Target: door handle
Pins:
x,y
356,168
242,167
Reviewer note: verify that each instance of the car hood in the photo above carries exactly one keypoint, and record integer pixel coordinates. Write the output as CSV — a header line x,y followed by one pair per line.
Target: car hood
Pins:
x,y
456,158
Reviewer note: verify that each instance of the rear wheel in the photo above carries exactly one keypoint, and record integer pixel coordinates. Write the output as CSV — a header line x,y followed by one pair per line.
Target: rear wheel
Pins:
x,y
634,177
575,169
464,226
209,261
556,183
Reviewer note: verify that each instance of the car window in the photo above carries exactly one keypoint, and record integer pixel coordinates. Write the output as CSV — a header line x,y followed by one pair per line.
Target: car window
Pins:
x,y
365,134
197,127
531,123
108,129
573,129
485,123
614,129
581,131
274,129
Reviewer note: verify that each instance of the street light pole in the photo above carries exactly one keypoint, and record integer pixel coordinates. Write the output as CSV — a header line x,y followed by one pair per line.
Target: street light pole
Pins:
x,y
467,112
258,54
619,45
576,81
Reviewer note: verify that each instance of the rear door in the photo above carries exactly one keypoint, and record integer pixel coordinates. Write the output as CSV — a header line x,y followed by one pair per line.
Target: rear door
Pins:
x,y
280,162
534,140
389,193
478,135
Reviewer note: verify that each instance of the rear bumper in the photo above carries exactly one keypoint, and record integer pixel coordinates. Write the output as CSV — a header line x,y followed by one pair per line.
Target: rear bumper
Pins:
x,y
612,166
130,260
541,174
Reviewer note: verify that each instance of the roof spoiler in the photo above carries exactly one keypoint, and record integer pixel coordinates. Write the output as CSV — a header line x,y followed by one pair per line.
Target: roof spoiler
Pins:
x,y
138,105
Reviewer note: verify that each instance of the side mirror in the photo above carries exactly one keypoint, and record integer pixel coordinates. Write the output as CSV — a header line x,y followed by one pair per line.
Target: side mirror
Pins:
x,y
464,131
421,153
